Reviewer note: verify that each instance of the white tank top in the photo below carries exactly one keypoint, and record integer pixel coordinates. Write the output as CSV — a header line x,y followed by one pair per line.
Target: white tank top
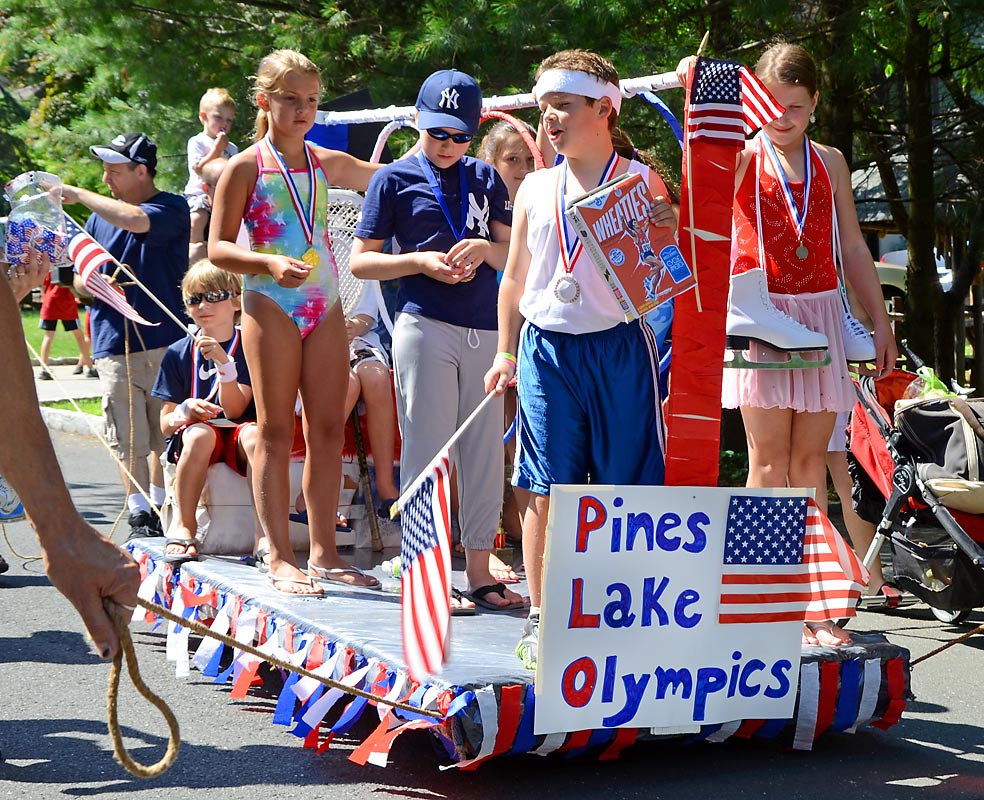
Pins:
x,y
595,309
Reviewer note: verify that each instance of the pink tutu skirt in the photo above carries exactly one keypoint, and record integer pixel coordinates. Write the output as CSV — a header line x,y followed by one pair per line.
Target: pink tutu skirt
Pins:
x,y
826,388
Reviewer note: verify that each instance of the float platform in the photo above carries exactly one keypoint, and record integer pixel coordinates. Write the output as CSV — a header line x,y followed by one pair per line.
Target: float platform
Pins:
x,y
485,696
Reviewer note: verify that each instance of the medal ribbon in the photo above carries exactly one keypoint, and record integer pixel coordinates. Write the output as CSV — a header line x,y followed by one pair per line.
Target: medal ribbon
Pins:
x,y
798,219
195,364
570,246
305,215
435,184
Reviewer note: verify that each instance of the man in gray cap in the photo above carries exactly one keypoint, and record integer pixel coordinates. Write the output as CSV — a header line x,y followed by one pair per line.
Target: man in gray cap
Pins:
x,y
148,230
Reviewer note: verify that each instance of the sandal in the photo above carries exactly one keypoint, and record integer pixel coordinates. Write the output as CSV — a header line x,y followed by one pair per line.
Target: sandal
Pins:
x,y
460,610
479,597
386,508
274,580
182,557
815,629
502,571
259,559
337,575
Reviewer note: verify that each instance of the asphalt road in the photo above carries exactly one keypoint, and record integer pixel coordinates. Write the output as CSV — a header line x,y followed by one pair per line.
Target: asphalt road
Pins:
x,y
54,743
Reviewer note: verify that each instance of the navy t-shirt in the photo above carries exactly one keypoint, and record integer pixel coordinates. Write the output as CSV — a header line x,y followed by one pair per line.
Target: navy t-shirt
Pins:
x,y
401,203
182,360
159,259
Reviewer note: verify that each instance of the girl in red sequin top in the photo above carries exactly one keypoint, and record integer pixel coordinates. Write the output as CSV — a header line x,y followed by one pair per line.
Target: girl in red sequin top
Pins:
x,y
791,196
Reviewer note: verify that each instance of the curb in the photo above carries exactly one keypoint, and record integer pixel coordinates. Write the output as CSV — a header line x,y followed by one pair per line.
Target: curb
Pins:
x,y
76,422
61,361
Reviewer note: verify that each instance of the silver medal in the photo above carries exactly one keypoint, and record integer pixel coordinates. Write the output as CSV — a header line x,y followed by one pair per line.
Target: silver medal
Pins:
x,y
802,252
566,289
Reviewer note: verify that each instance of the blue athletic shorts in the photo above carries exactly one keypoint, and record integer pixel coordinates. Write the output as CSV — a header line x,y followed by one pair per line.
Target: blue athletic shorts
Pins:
x,y
589,408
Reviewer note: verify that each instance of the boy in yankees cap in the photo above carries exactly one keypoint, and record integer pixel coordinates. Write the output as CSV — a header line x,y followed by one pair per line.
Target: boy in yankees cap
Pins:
x,y
450,215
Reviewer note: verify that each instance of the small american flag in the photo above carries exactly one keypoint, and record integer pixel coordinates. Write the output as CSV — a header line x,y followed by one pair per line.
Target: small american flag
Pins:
x,y
783,561
88,256
425,518
727,102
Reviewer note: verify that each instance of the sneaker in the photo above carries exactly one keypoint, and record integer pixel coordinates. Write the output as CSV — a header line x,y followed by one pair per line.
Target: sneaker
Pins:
x,y
44,375
144,524
528,644
92,372
78,369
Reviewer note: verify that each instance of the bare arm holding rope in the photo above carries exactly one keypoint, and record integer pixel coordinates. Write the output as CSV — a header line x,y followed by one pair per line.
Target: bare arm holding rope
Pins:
x,y
82,564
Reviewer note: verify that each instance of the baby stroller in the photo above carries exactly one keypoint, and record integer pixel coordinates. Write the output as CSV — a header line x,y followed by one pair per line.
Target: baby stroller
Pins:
x,y
912,458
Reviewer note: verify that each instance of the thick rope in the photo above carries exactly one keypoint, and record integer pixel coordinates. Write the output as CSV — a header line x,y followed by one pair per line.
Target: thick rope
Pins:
x,y
120,616
948,645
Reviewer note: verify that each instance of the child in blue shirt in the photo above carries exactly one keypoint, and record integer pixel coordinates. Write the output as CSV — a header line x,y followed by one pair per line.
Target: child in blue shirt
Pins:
x,y
207,411
449,214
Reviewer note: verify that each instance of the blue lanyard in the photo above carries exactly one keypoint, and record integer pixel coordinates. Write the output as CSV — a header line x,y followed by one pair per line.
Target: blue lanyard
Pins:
x,y
798,217
459,232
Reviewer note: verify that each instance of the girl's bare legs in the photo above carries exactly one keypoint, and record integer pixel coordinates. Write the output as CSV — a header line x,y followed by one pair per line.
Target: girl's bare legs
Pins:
x,y
787,448
324,385
272,345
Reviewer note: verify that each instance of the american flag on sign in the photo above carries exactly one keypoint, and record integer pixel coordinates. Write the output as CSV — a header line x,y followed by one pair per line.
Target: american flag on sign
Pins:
x,y
88,256
783,561
728,102
425,552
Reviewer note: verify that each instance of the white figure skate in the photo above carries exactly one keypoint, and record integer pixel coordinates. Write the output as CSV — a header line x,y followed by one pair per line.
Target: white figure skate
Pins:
x,y
753,318
859,346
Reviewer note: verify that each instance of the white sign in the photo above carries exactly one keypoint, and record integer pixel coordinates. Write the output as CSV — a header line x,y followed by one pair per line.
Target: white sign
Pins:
x,y
670,607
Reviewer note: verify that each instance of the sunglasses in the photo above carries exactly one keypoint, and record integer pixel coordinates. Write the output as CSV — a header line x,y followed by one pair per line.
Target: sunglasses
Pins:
x,y
211,297
442,135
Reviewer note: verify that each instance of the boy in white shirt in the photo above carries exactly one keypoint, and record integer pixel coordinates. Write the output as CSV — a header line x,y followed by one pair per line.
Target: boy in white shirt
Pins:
x,y
595,374
216,110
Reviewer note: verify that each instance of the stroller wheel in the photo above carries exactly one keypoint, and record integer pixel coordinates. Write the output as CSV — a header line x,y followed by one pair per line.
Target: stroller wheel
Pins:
x,y
950,617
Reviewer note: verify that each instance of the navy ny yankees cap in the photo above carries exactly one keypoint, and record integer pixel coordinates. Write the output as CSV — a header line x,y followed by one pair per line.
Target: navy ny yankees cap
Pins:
x,y
449,99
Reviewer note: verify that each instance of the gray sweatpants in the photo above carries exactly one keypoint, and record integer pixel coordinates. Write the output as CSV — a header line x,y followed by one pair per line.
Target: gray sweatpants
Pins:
x,y
440,370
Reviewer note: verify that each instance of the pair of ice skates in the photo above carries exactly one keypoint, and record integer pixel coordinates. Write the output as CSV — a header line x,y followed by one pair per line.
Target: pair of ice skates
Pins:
x,y
753,318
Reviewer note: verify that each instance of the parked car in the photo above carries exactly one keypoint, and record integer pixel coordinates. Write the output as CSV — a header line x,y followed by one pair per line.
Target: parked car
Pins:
x,y
892,269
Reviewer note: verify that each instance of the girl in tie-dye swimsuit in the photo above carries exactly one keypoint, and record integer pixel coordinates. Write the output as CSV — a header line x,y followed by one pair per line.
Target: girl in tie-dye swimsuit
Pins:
x,y
274,226
293,330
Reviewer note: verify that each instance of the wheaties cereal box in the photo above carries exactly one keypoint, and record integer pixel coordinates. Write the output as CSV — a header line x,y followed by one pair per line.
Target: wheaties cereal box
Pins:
x,y
641,264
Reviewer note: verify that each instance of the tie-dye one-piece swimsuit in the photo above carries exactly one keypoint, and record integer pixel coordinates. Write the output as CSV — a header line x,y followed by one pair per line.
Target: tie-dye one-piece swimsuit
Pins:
x,y
274,227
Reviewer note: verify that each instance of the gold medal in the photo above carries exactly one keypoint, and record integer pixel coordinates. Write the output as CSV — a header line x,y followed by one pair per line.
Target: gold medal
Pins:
x,y
802,252
311,257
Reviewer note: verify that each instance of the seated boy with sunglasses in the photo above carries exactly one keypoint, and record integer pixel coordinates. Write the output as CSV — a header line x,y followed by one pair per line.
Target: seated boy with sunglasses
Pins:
x,y
207,411
450,216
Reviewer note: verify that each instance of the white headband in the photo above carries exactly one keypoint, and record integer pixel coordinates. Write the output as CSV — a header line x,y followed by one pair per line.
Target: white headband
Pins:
x,y
575,82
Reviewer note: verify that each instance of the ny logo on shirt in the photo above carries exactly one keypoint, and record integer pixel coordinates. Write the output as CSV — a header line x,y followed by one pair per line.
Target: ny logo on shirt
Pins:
x,y
478,216
449,98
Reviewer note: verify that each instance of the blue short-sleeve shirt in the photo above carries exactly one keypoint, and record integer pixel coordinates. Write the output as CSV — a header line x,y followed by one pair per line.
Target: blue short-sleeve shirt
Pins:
x,y
185,373
401,204
159,259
